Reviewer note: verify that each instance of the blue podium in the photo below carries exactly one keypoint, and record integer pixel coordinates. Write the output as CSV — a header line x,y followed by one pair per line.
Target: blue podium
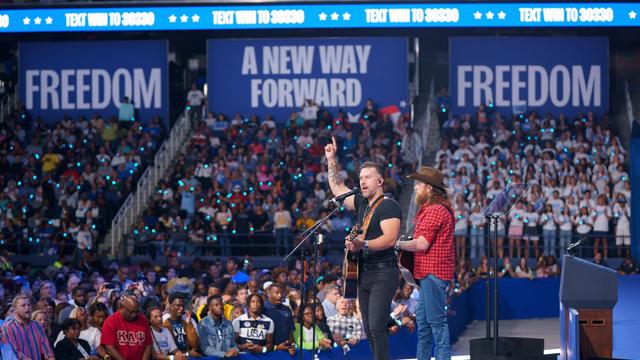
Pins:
x,y
588,293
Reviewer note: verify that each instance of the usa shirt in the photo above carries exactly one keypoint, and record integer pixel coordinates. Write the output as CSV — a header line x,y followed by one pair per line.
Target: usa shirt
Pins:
x,y
253,330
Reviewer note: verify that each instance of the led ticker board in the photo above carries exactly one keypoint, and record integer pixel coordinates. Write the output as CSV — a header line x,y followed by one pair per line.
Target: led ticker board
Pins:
x,y
392,15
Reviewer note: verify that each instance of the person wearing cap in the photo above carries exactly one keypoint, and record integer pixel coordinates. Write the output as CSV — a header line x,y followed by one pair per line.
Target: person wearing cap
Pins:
x,y
377,265
434,260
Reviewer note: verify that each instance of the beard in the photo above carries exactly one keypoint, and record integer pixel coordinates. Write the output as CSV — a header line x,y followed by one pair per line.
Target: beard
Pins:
x,y
422,197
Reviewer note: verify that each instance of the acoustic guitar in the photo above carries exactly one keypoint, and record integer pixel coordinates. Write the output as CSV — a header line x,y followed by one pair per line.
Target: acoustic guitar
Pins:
x,y
350,267
405,264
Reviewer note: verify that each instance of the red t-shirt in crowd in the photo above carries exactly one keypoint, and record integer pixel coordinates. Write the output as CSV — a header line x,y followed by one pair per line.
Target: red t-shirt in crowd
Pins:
x,y
129,338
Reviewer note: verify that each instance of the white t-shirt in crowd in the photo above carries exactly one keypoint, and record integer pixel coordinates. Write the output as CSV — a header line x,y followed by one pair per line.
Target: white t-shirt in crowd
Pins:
x,y
91,335
462,218
163,341
548,221
531,219
565,222
516,216
195,97
477,219
601,215
583,224
623,215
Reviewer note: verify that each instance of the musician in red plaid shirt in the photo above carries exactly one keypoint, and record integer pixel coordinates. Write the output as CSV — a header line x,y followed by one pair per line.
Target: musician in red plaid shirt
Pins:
x,y
434,261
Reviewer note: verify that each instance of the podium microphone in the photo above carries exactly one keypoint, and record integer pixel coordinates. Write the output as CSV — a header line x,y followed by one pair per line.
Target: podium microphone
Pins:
x,y
340,198
571,248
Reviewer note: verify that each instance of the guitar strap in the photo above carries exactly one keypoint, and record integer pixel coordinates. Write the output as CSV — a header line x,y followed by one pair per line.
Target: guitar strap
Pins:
x,y
450,211
368,214
409,233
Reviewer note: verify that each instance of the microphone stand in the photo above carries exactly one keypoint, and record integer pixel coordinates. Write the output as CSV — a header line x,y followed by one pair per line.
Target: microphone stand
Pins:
x,y
307,235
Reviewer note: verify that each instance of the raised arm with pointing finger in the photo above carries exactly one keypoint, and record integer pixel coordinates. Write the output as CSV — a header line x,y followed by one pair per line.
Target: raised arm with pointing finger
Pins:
x,y
337,186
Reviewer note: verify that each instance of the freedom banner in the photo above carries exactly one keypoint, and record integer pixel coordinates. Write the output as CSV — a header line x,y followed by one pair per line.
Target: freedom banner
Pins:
x,y
85,78
547,74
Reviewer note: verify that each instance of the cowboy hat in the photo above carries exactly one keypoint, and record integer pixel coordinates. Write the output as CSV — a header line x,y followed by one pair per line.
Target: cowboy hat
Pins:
x,y
429,175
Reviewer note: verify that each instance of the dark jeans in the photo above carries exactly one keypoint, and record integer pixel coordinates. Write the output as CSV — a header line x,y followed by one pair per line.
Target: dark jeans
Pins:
x,y
282,240
195,114
375,292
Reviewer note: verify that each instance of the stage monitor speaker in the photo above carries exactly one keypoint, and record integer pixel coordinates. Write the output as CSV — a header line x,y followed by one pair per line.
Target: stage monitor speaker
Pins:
x,y
509,348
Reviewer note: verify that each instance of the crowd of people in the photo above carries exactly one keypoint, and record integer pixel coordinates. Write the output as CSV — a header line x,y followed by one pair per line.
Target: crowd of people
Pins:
x,y
573,168
245,181
61,183
203,309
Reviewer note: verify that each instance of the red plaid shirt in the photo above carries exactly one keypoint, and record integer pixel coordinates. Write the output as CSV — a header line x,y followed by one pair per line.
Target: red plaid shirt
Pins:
x,y
436,224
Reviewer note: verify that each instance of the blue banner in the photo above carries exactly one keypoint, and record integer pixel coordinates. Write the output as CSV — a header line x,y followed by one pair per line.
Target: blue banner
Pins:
x,y
321,16
275,76
519,74
85,78
634,202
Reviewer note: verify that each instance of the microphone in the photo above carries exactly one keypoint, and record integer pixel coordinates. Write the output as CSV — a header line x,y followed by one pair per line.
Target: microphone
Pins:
x,y
576,244
340,198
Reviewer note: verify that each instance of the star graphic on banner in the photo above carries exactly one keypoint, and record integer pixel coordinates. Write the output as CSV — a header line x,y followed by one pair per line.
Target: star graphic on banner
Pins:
x,y
48,20
322,16
477,15
489,15
195,18
632,14
403,104
334,16
346,16
502,15
26,21
37,20
172,18
184,18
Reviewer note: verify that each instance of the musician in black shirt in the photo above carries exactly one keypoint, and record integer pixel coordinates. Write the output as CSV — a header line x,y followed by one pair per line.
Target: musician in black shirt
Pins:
x,y
377,266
